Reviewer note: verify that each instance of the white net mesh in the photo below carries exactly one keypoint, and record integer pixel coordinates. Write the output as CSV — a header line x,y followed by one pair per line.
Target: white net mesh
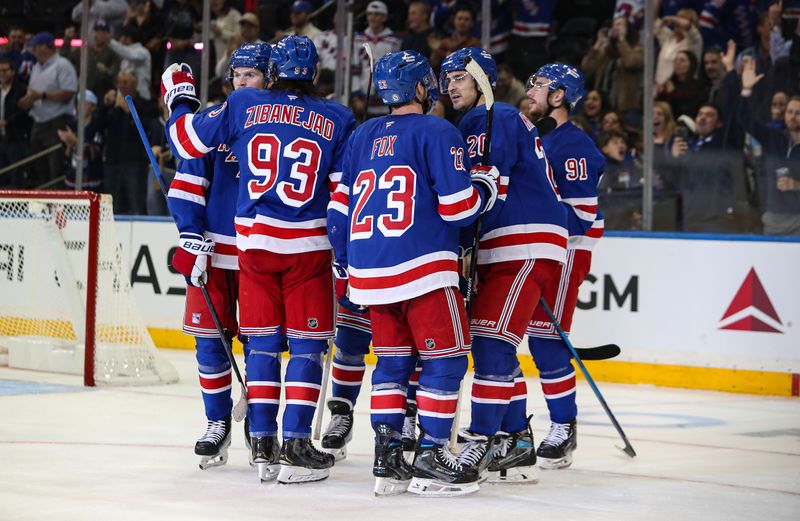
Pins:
x,y
44,262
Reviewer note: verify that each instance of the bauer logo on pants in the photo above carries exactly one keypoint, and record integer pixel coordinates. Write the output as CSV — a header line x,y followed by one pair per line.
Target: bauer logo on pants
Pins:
x,y
312,323
751,309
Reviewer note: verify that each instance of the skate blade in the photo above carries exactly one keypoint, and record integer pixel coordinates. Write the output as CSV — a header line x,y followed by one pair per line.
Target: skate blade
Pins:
x,y
555,463
338,454
432,488
217,460
528,475
289,475
390,487
267,471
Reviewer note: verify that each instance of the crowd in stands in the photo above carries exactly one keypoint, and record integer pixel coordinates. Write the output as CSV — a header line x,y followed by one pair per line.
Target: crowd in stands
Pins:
x,y
726,111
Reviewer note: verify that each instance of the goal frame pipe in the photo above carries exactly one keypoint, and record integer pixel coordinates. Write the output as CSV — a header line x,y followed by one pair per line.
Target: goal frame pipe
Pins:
x,y
91,269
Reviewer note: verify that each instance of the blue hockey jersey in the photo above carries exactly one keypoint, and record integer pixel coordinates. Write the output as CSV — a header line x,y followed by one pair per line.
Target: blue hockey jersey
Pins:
x,y
528,222
394,219
578,167
290,149
723,20
533,17
202,200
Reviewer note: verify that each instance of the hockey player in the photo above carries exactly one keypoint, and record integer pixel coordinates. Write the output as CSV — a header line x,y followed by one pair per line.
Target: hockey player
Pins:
x,y
289,143
522,246
202,199
394,224
578,165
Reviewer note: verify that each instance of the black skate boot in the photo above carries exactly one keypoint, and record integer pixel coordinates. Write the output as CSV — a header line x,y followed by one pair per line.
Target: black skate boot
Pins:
x,y
340,429
301,462
438,473
247,436
264,455
409,437
476,452
555,451
391,470
213,446
514,458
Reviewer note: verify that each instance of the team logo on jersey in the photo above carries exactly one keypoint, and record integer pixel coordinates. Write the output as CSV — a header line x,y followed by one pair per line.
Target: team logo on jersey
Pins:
x,y
313,323
195,318
751,309
430,343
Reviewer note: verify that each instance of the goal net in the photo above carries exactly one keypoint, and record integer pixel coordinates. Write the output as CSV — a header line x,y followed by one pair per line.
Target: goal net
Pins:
x,y
66,303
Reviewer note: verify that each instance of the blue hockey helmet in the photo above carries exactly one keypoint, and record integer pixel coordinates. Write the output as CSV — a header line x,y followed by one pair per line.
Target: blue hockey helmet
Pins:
x,y
293,58
457,61
396,76
561,76
253,55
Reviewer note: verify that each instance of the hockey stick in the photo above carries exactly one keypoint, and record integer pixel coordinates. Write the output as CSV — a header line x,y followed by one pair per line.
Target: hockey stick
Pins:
x,y
488,95
628,449
368,50
326,375
240,409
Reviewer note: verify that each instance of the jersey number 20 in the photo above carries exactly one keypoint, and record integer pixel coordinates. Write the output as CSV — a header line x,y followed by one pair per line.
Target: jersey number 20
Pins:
x,y
401,181
263,156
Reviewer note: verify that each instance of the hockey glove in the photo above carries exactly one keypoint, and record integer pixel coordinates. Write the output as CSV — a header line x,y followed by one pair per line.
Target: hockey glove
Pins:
x,y
191,259
341,283
486,177
177,86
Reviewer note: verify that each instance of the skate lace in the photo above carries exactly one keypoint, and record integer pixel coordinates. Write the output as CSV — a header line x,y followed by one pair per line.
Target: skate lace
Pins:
x,y
409,426
215,431
502,446
449,459
472,453
339,425
559,432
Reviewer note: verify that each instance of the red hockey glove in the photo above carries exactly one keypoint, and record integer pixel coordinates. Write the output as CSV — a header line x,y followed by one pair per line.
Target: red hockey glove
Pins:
x,y
177,86
340,286
191,259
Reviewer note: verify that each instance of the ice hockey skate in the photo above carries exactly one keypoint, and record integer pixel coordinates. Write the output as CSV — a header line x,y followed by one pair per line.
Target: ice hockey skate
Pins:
x,y
409,437
555,451
340,429
391,470
514,458
438,473
301,462
476,452
213,446
264,456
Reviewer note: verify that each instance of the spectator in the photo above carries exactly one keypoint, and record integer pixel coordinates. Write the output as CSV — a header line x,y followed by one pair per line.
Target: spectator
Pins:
x,y
716,65
509,89
144,15
135,57
780,175
592,112
300,14
181,21
92,177
621,186
676,33
460,38
723,20
103,64
249,29
224,25
381,40
326,43
531,29
125,169
53,84
707,175
778,110
663,134
683,91
614,66
15,125
112,11
420,29
15,50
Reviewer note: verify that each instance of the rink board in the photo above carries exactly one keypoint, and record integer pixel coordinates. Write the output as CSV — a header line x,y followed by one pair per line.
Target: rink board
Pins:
x,y
708,312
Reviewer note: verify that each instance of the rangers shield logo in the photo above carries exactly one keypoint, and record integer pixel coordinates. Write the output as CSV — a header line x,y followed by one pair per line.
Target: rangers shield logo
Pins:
x,y
429,343
195,318
312,323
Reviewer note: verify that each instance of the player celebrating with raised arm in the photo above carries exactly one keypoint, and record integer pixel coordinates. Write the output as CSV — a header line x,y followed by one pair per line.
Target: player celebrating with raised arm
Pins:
x,y
522,243
289,143
202,200
554,90
404,194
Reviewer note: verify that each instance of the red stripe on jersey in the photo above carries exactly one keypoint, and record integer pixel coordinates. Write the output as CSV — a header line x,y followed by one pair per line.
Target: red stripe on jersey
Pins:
x,y
264,392
515,239
221,248
388,401
443,405
492,392
211,384
296,392
281,233
341,198
595,233
186,186
354,375
520,389
183,137
464,205
559,387
332,185
393,281
586,208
